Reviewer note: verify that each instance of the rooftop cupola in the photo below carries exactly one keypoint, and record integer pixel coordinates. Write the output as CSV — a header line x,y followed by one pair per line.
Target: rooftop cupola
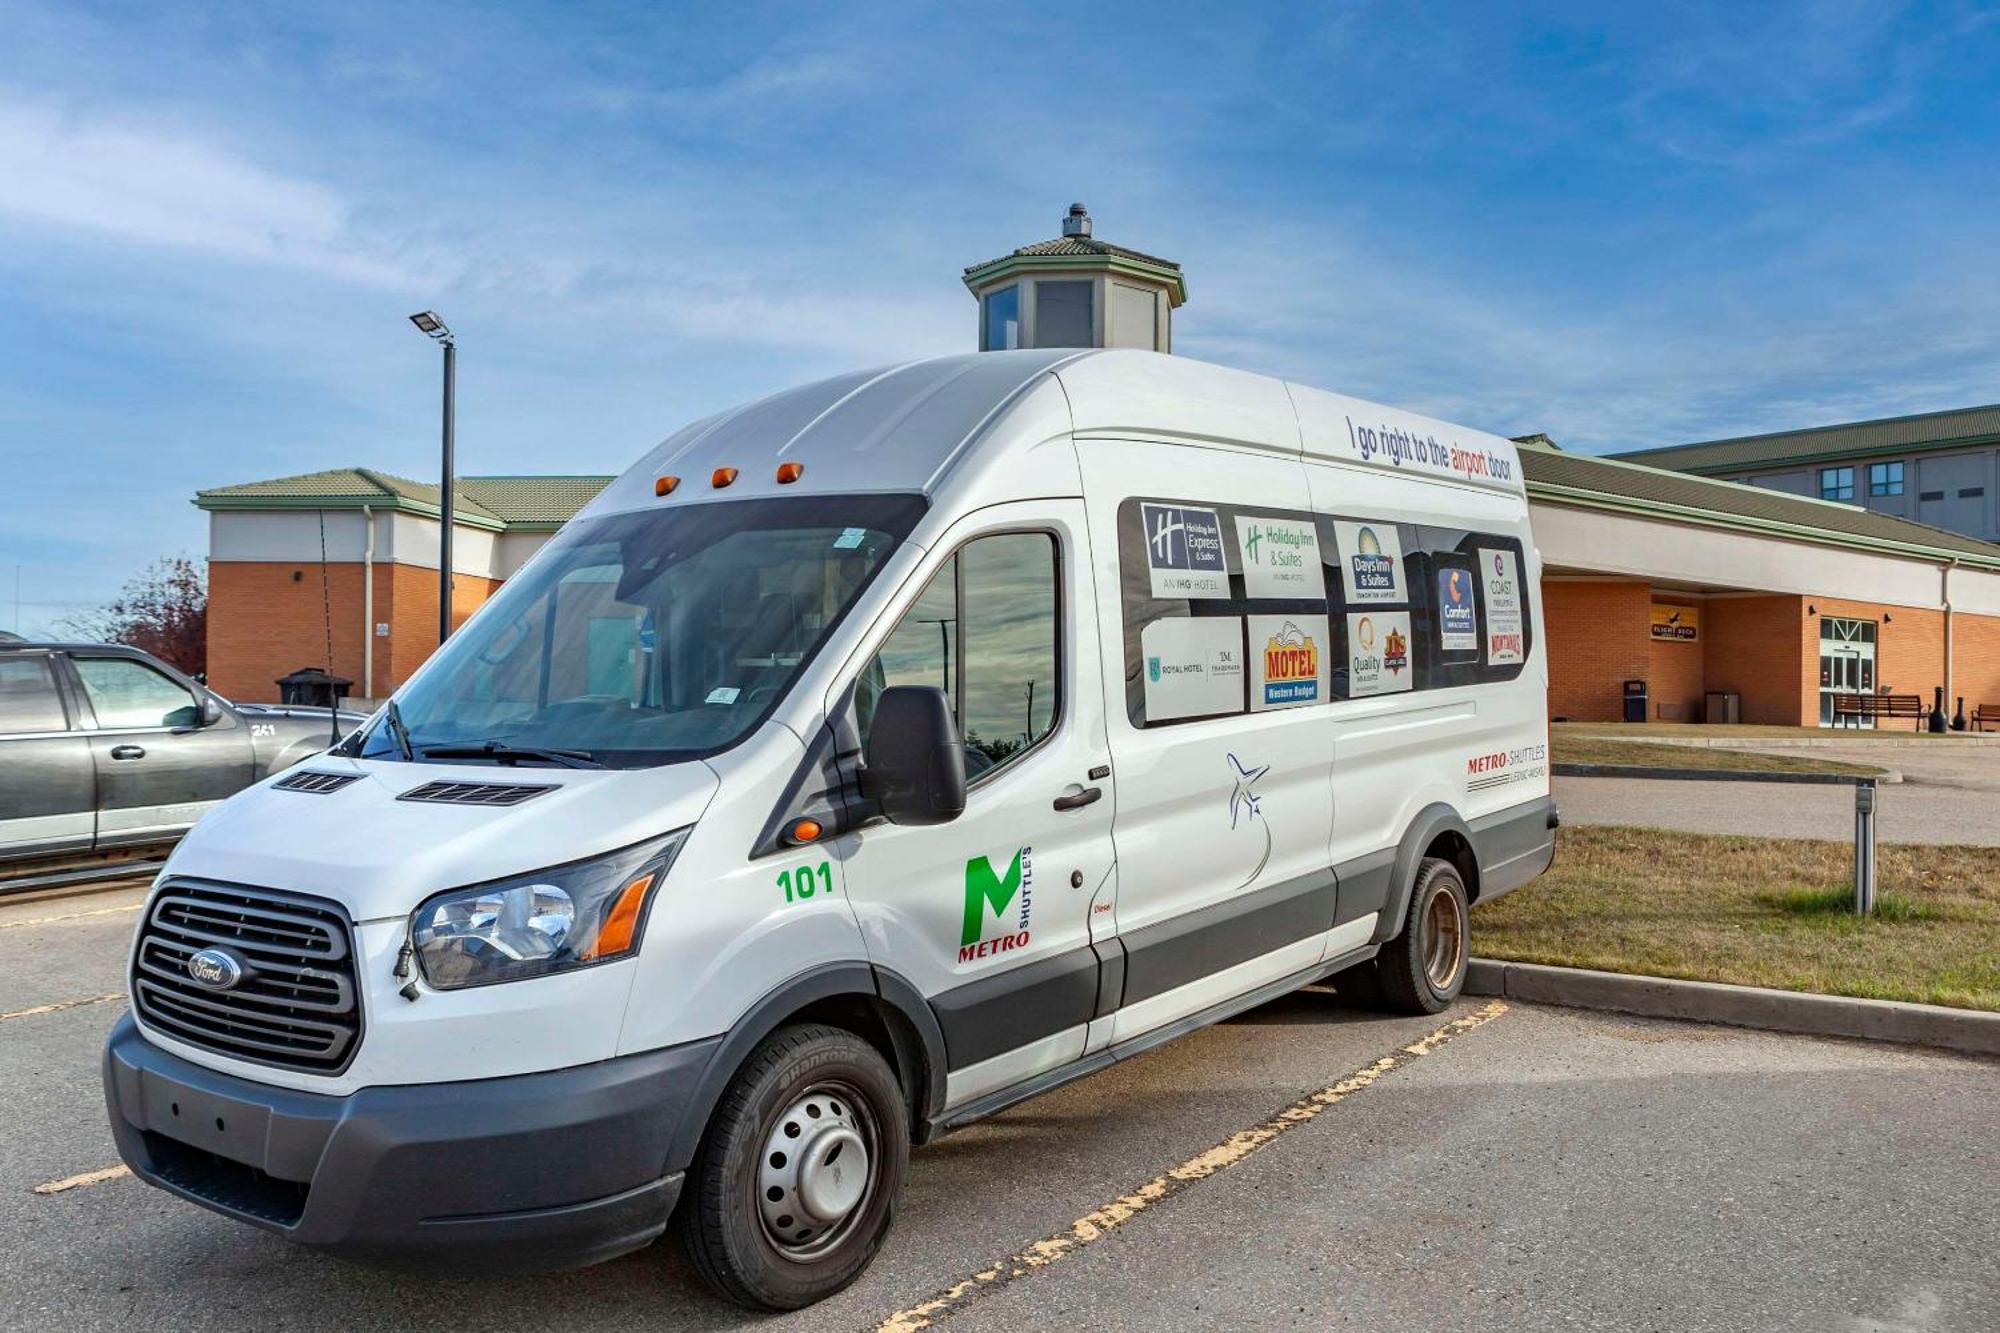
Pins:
x,y
1076,291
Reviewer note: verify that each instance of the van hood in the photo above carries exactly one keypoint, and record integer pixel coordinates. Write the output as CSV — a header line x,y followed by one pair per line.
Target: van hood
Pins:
x,y
379,855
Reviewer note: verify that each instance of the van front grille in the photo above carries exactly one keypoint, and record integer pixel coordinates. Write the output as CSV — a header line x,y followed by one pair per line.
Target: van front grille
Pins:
x,y
294,1004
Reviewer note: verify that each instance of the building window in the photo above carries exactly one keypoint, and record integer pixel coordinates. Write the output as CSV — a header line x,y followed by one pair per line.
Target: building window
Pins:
x,y
1063,316
1883,478
1836,483
1000,329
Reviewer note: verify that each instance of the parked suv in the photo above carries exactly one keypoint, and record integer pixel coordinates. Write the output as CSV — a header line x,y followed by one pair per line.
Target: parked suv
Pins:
x,y
103,746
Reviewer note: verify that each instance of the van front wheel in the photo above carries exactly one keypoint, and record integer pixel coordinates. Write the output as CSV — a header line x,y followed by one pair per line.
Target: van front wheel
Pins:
x,y
1422,970
796,1180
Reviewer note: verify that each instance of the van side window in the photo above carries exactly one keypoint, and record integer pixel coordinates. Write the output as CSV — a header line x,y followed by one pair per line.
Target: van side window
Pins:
x,y
28,698
984,630
1224,609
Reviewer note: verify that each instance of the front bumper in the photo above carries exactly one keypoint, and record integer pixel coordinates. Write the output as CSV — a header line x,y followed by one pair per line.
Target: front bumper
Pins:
x,y
522,1174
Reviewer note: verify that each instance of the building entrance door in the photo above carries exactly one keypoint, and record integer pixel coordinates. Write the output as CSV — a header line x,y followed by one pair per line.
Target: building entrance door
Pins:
x,y
1846,664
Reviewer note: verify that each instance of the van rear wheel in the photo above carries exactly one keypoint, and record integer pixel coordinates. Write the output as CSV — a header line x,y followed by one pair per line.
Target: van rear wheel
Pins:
x,y
1422,970
797,1177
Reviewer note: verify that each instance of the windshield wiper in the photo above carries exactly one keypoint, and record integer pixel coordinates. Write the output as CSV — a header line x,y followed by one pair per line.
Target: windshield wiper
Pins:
x,y
502,753
400,733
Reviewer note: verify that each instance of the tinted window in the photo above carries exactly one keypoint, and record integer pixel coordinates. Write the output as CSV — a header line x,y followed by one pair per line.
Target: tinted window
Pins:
x,y
28,698
984,630
1063,315
125,693
1003,320
1229,608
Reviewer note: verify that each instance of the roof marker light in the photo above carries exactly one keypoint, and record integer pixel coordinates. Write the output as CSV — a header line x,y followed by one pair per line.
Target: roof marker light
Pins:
x,y
665,485
721,477
790,472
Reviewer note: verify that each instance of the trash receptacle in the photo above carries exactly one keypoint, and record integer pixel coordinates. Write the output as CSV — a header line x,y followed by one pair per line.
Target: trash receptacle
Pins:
x,y
1722,706
1635,701
312,687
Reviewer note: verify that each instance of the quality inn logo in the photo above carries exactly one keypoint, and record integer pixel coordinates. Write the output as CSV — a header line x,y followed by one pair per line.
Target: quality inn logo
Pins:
x,y
997,906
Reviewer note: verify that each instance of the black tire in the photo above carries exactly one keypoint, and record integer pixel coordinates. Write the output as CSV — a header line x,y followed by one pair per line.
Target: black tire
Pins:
x,y
1420,971
724,1225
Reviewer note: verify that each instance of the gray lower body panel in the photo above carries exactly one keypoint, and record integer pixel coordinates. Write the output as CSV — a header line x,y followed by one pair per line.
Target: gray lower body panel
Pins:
x,y
500,1175
1514,846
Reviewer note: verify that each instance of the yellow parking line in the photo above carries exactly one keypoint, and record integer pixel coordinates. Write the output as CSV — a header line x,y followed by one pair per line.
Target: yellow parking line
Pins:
x,y
73,916
62,1005
1230,1152
97,1177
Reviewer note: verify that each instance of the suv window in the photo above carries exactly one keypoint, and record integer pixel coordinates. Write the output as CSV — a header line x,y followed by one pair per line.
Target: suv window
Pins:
x,y
984,630
28,698
125,693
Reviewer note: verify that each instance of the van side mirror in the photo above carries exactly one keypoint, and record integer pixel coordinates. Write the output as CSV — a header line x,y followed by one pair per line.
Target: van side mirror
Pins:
x,y
915,765
211,712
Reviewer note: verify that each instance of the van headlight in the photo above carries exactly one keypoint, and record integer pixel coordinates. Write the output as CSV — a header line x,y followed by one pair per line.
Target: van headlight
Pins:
x,y
550,921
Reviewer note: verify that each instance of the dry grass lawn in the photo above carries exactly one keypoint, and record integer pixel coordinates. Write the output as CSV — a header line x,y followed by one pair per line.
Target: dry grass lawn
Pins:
x,y
1898,729
1759,912
1570,748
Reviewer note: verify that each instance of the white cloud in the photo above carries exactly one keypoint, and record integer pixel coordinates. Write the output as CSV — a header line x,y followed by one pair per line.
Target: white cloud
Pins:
x,y
123,179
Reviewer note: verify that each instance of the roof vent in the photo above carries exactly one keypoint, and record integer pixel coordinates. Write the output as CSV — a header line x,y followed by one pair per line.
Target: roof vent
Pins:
x,y
475,793
315,783
1078,221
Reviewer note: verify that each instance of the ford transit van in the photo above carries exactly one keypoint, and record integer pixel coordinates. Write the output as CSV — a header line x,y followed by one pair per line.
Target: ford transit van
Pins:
x,y
863,761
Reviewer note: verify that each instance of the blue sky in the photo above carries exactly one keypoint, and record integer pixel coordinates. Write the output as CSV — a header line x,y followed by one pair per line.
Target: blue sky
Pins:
x,y
1624,225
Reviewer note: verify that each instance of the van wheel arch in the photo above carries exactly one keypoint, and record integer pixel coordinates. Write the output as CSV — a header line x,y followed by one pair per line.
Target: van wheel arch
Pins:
x,y
1439,831
874,1003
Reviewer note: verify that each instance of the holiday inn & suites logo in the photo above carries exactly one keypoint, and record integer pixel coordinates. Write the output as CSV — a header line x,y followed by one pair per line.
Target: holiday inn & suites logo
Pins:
x,y
997,906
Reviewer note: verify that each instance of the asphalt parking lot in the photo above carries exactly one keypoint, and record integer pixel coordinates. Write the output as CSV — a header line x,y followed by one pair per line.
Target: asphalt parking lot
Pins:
x,y
1526,1169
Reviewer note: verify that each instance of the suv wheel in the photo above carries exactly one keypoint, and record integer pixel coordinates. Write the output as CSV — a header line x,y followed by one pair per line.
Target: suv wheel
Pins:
x,y
797,1177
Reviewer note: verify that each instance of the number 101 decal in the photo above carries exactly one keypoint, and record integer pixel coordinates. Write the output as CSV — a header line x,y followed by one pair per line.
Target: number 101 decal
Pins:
x,y
799,884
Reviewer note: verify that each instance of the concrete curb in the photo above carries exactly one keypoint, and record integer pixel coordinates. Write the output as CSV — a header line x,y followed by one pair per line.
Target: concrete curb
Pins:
x,y
1887,776
1966,1030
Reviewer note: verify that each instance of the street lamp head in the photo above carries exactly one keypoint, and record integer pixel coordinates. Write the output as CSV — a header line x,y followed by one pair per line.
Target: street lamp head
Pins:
x,y
428,322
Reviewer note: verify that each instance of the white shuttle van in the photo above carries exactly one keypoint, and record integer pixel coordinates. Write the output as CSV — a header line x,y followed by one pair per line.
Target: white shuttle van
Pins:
x,y
861,762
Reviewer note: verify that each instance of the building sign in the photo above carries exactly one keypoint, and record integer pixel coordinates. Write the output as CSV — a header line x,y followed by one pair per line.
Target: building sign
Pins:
x,y
1280,558
1378,653
1287,661
1678,624
1194,666
1371,562
1458,618
1503,606
1184,551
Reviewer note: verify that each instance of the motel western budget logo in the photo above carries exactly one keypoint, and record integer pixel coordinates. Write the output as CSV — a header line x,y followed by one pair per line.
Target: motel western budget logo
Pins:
x,y
1291,666
997,906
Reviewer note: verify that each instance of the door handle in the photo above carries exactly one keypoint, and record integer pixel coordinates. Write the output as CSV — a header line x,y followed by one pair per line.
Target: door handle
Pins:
x,y
1078,800
128,752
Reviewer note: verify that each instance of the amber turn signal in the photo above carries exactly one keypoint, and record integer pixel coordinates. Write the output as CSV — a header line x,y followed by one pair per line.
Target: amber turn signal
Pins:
x,y
790,472
721,477
806,830
621,924
665,485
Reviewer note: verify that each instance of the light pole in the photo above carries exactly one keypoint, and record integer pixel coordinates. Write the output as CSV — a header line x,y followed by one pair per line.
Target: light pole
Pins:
x,y
427,321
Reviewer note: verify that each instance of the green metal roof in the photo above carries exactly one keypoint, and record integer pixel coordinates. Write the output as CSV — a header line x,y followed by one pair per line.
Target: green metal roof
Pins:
x,y
1957,428
1579,480
500,504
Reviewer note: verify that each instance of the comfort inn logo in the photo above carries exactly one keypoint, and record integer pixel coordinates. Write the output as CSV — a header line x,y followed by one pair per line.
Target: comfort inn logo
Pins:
x,y
995,921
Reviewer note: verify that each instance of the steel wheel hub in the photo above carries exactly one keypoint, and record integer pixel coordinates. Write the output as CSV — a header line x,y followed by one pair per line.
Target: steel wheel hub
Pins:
x,y
816,1171
1443,939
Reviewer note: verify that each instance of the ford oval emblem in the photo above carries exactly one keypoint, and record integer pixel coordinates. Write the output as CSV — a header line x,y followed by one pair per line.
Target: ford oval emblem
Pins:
x,y
217,969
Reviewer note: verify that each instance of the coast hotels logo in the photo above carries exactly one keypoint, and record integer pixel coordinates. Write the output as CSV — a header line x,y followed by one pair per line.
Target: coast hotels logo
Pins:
x,y
990,893
1373,571
1291,666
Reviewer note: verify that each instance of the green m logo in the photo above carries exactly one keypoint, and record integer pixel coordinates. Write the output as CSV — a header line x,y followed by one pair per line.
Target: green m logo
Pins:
x,y
983,890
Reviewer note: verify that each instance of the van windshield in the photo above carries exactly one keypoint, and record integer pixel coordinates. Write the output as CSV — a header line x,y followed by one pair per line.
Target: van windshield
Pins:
x,y
648,637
